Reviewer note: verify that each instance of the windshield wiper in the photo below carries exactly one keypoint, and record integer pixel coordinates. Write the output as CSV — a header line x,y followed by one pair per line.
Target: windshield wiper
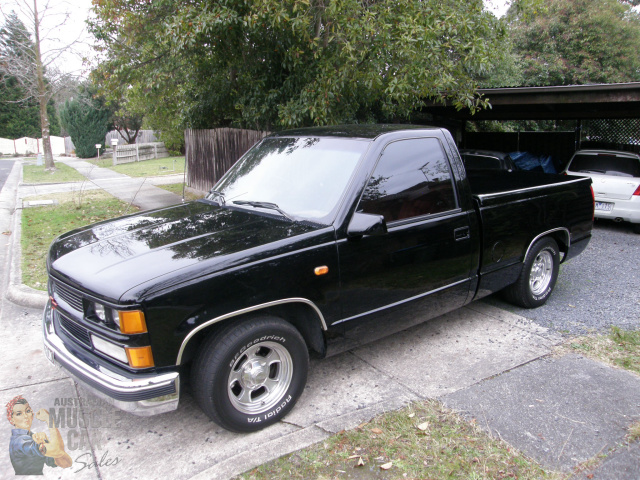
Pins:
x,y
217,196
268,205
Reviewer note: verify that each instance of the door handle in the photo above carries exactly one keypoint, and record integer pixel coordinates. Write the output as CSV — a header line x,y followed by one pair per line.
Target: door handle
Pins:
x,y
461,233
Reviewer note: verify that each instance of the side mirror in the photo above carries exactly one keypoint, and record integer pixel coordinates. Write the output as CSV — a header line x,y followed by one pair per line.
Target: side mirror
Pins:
x,y
366,224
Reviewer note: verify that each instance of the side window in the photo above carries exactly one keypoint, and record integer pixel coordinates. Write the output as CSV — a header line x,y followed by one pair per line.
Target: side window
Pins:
x,y
412,178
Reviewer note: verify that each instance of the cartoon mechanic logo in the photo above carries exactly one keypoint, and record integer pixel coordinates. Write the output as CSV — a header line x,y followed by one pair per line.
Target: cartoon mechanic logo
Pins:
x,y
31,451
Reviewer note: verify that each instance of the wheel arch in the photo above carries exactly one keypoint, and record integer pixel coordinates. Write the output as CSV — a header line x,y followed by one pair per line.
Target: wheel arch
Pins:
x,y
561,236
303,314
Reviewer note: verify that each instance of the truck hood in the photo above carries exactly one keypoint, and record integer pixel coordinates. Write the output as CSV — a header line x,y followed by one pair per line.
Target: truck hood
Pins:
x,y
110,258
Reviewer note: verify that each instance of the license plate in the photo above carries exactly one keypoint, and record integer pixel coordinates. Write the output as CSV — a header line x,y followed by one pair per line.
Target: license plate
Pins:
x,y
49,354
604,206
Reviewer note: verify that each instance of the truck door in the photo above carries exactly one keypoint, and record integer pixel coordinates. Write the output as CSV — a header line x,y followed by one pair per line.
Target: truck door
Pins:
x,y
424,259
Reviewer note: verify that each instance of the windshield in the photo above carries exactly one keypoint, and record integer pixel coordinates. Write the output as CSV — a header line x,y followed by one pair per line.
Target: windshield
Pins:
x,y
304,177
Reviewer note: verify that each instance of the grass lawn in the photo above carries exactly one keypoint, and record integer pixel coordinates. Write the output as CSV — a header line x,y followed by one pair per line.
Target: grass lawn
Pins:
x,y
146,168
177,189
41,225
620,348
62,174
424,440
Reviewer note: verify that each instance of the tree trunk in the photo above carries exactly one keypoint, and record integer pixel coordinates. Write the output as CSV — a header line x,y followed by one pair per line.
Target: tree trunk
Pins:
x,y
42,96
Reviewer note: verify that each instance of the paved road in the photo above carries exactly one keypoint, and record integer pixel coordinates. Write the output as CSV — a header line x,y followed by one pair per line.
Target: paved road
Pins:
x,y
5,169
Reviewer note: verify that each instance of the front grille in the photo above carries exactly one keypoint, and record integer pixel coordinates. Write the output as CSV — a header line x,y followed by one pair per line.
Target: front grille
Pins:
x,y
73,298
73,329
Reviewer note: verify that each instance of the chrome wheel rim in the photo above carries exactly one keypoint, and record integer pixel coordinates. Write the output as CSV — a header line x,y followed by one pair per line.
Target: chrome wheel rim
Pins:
x,y
260,377
541,272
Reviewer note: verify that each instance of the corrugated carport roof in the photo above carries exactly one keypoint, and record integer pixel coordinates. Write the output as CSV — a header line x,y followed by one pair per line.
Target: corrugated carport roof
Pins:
x,y
616,100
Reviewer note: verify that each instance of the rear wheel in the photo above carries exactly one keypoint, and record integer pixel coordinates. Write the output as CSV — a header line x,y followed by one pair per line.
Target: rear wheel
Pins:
x,y
538,276
250,374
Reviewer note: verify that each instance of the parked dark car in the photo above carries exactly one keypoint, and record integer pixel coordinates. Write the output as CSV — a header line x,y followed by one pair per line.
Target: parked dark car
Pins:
x,y
310,233
486,160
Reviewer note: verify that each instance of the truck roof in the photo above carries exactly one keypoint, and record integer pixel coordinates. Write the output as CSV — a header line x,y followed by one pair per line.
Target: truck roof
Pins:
x,y
365,131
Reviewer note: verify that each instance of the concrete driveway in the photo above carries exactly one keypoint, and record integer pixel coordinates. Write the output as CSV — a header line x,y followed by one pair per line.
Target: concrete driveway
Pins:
x,y
425,361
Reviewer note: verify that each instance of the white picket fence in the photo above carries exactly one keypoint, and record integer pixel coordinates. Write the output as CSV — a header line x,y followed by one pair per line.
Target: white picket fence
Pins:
x,y
139,152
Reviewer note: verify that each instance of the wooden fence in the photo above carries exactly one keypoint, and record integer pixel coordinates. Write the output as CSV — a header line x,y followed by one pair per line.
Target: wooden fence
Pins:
x,y
144,136
210,153
139,152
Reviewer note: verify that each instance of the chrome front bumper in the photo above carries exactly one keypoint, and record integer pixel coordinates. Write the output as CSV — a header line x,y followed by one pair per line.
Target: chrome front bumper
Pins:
x,y
144,396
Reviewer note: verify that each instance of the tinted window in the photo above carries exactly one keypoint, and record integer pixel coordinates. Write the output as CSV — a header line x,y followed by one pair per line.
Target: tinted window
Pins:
x,y
606,163
412,178
480,162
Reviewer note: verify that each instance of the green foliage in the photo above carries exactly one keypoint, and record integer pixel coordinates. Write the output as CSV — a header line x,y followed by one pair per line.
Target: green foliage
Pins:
x,y
565,42
271,64
87,120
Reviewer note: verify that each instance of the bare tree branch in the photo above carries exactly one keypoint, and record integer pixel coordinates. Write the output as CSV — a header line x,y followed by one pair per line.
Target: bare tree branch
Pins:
x,y
30,51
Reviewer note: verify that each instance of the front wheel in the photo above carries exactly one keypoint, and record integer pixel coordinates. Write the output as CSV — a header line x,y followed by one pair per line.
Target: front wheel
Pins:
x,y
538,276
250,375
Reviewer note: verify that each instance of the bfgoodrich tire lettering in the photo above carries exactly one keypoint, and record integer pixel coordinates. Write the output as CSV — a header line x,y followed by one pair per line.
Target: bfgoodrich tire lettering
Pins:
x,y
250,375
538,276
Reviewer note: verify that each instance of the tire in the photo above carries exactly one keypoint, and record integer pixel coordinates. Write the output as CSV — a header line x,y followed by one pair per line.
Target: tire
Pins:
x,y
250,374
636,228
538,276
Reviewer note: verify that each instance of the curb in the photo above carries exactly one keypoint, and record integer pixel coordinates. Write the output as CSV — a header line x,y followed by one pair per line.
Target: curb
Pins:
x,y
18,293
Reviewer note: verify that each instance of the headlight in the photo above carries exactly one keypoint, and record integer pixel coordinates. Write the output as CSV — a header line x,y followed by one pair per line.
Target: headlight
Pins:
x,y
129,322
108,348
100,312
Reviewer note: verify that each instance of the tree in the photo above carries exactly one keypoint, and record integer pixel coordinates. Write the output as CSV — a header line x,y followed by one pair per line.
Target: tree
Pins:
x,y
87,120
577,41
270,64
32,68
19,115
127,120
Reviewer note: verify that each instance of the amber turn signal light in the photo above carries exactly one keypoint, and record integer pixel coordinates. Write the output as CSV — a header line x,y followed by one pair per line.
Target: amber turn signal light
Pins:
x,y
321,270
132,322
140,357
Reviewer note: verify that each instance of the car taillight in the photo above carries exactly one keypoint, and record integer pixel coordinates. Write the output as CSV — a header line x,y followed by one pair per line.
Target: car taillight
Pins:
x,y
593,198
637,192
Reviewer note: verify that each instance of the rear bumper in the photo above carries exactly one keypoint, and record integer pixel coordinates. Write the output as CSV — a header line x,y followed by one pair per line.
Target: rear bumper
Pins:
x,y
142,395
626,210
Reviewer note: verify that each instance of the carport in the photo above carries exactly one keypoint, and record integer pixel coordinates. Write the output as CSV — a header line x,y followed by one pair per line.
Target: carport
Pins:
x,y
597,110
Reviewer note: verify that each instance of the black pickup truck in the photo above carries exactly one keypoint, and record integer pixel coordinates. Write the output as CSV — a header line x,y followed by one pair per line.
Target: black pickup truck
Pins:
x,y
310,233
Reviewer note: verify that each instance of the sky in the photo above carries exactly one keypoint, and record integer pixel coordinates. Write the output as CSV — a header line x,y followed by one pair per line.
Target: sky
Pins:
x,y
498,7
74,28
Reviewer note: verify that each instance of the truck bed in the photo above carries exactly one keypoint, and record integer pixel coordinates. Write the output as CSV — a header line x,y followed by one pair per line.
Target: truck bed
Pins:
x,y
489,188
516,207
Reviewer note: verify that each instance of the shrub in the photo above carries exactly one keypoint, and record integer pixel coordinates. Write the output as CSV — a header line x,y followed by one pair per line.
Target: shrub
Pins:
x,y
87,124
